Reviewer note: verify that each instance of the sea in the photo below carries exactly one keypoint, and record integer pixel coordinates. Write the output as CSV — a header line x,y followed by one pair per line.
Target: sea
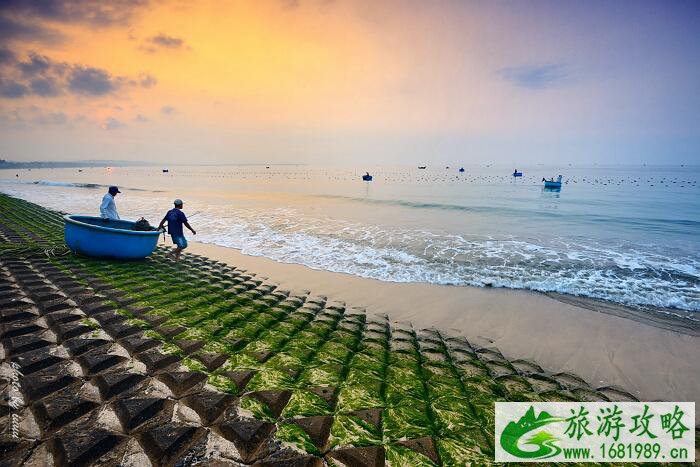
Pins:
x,y
625,234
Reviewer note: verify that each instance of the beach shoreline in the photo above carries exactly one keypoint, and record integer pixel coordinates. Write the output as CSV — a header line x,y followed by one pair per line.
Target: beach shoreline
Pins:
x,y
225,341
653,357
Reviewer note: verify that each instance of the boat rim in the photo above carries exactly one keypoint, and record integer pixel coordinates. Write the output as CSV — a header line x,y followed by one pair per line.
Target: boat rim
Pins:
x,y
69,218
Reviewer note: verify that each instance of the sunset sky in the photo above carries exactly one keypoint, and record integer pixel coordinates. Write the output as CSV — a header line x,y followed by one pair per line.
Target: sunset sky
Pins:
x,y
345,82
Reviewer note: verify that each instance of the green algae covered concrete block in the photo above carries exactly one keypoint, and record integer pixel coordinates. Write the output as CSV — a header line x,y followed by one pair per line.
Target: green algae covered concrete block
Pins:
x,y
305,403
353,430
403,456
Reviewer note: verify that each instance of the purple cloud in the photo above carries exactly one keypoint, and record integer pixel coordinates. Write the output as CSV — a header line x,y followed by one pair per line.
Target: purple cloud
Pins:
x,y
41,76
535,77
92,81
12,89
74,11
112,123
166,41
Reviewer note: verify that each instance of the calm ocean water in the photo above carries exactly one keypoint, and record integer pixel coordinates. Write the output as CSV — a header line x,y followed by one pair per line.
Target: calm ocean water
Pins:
x,y
626,234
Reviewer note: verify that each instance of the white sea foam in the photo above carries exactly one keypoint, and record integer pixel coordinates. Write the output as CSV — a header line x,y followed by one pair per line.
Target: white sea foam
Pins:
x,y
66,184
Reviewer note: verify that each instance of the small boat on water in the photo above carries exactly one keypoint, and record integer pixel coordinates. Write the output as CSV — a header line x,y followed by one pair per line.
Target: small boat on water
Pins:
x,y
517,174
461,169
552,183
422,167
165,171
367,177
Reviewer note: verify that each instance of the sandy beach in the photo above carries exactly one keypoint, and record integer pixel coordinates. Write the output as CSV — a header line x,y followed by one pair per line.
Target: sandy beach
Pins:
x,y
604,344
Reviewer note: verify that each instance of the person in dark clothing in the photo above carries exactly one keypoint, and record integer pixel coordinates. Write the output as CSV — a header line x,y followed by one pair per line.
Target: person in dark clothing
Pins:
x,y
176,219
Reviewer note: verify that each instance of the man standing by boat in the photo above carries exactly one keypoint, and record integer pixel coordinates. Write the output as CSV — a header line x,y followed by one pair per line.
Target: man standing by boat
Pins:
x,y
176,219
108,208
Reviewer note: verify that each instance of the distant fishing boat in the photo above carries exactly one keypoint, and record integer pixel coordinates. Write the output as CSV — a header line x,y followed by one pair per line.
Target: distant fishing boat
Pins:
x,y
422,167
165,171
552,183
461,169
367,177
517,174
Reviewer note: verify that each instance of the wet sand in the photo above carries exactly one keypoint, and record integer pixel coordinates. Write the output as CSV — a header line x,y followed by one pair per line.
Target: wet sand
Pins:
x,y
651,356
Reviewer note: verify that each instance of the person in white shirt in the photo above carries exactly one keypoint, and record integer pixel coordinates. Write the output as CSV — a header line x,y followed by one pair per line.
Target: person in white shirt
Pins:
x,y
108,209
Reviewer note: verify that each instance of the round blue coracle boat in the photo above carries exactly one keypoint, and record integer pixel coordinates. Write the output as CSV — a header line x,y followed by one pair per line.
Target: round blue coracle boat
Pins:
x,y
107,238
552,184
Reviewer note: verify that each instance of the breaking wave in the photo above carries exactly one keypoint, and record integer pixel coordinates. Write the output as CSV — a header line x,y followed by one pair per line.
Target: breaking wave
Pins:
x,y
66,184
82,185
630,274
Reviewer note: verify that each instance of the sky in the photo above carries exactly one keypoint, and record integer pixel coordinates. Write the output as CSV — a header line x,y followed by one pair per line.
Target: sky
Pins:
x,y
351,82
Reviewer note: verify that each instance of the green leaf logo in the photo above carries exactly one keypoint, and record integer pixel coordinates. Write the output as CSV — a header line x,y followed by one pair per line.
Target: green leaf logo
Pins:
x,y
545,442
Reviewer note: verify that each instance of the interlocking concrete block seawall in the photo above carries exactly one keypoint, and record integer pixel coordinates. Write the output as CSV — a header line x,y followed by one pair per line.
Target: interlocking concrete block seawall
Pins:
x,y
162,363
